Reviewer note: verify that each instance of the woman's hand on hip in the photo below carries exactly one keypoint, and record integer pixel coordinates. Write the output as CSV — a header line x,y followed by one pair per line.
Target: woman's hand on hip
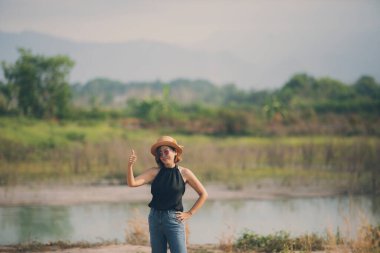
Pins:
x,y
183,216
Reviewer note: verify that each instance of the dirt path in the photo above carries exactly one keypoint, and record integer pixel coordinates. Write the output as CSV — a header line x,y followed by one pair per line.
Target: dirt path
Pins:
x,y
125,248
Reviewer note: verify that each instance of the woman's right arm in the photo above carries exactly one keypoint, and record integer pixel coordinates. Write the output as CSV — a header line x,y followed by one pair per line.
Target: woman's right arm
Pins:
x,y
142,179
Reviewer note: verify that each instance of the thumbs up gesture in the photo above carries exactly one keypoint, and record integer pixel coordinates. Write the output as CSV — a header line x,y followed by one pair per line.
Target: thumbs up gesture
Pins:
x,y
132,158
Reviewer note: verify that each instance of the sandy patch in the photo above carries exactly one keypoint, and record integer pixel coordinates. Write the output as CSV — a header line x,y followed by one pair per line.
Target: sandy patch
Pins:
x,y
125,248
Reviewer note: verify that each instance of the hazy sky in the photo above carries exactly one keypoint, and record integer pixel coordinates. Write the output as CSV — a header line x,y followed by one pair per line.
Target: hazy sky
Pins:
x,y
187,22
260,32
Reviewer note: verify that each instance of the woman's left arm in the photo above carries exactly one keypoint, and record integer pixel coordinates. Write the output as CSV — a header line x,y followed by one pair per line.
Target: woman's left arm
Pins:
x,y
194,182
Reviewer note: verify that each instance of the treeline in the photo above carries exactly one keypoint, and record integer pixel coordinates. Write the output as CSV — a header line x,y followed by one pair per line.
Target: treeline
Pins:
x,y
304,105
37,86
324,94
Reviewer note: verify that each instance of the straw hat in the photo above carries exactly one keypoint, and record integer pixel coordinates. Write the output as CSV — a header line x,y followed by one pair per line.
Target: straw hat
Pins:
x,y
166,141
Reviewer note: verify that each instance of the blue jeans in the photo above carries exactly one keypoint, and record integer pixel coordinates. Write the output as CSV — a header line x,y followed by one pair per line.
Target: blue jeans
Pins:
x,y
164,229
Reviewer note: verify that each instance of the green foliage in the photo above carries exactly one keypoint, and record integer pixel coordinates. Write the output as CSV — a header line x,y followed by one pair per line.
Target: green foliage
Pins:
x,y
278,242
272,107
305,91
32,149
305,105
299,85
156,113
38,84
366,240
366,86
272,243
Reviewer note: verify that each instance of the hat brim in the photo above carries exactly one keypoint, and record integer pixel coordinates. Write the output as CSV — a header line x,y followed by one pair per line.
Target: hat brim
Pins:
x,y
154,147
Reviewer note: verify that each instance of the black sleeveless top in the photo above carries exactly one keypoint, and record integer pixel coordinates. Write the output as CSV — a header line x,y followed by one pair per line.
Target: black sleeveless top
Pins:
x,y
167,190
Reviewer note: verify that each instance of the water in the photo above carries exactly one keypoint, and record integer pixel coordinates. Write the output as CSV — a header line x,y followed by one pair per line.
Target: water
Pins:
x,y
97,222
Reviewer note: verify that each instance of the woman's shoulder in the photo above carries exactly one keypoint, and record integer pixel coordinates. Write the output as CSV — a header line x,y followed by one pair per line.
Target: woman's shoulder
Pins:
x,y
184,171
154,170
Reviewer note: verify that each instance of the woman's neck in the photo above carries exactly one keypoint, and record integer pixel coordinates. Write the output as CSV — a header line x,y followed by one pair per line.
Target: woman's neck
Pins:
x,y
169,165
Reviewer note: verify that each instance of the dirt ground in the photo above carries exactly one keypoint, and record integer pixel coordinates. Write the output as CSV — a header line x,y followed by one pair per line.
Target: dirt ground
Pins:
x,y
119,248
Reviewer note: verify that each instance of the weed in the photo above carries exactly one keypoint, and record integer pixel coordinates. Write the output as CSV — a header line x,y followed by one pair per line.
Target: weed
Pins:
x,y
34,246
35,151
226,241
270,243
367,241
137,232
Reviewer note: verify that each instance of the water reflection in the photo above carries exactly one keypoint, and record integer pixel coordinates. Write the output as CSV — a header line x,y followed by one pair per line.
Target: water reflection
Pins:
x,y
96,222
21,224
297,216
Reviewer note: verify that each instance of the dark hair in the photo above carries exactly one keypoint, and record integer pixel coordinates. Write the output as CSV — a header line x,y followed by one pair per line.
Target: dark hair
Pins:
x,y
157,157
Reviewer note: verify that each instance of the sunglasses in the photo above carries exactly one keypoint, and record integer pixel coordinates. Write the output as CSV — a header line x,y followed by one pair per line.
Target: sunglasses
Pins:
x,y
164,152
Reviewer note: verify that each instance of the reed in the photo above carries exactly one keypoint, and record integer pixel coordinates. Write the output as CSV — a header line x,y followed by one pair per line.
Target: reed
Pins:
x,y
366,241
38,152
136,232
227,240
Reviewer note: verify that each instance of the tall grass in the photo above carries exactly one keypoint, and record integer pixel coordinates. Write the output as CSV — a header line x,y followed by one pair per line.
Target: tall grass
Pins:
x,y
351,237
137,232
367,241
97,152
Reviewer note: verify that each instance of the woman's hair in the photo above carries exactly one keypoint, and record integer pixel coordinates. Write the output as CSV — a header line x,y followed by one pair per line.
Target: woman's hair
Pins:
x,y
177,158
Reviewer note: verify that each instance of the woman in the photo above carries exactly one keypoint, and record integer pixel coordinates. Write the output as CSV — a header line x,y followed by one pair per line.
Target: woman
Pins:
x,y
167,217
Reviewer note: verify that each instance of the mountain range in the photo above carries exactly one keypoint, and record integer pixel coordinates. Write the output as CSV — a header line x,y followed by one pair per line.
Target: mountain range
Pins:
x,y
142,60
130,61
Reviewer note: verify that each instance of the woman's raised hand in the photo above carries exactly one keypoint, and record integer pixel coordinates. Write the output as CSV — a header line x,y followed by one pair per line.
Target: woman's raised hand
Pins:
x,y
132,158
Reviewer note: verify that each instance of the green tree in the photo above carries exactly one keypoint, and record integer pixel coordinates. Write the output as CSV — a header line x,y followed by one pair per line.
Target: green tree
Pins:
x,y
272,107
367,86
330,89
39,83
6,97
299,85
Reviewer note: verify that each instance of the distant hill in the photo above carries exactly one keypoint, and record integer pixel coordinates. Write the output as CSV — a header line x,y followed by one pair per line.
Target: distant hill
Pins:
x,y
110,93
131,61
147,61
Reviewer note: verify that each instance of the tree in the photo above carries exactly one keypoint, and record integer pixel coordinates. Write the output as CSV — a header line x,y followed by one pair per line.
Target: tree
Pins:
x,y
6,98
330,89
39,83
273,107
299,85
367,86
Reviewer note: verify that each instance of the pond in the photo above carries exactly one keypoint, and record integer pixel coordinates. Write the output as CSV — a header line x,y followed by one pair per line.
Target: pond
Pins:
x,y
98,222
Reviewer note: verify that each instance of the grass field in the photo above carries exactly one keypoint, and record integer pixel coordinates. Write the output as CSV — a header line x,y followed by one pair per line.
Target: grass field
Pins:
x,y
35,151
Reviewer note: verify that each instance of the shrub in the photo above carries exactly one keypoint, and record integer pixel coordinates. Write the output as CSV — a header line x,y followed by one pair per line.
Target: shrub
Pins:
x,y
270,243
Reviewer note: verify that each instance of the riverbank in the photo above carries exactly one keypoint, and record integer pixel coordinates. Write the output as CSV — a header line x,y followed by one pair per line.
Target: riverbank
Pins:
x,y
125,248
82,194
128,248
75,248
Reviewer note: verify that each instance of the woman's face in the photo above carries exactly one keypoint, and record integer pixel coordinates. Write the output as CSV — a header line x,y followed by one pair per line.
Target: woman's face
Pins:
x,y
167,154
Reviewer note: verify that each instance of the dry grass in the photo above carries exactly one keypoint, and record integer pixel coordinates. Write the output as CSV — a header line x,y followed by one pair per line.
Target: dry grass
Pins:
x,y
227,240
99,154
137,231
52,246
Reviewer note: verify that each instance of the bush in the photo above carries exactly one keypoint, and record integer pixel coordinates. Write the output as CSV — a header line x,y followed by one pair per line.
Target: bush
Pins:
x,y
270,243
278,242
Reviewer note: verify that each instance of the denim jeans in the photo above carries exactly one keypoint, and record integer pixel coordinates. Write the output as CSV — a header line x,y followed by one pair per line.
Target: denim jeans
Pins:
x,y
164,229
